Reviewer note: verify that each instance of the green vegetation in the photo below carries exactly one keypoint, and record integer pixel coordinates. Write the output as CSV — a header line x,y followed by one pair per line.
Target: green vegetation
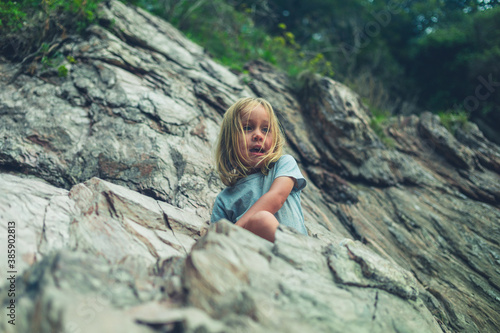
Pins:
x,y
421,55
403,56
26,25
230,35
452,61
377,122
62,71
18,15
454,120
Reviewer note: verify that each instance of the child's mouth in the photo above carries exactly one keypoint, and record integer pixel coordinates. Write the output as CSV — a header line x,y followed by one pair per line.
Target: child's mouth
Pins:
x,y
257,151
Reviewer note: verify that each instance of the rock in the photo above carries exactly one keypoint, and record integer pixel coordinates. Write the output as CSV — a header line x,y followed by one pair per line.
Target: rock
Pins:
x,y
235,276
368,270
97,217
78,292
107,176
445,143
229,280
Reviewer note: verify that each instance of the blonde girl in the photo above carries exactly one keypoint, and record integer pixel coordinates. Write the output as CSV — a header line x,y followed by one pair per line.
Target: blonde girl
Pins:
x,y
263,185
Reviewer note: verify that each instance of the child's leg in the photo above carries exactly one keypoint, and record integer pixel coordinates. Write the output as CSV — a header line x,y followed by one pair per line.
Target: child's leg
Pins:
x,y
263,224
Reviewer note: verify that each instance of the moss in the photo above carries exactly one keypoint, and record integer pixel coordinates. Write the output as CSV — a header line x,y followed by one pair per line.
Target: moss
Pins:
x,y
62,71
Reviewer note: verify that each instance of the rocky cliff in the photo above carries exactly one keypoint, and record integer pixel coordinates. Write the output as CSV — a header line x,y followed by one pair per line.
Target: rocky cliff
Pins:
x,y
106,175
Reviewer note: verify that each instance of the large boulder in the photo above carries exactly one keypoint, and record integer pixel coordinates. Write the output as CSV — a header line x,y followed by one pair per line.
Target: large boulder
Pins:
x,y
107,176
101,253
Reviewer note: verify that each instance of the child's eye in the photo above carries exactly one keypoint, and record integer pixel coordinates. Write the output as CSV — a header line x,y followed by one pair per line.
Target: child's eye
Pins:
x,y
265,130
247,128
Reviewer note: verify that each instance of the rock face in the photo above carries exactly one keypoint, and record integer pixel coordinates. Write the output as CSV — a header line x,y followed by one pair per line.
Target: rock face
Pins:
x,y
107,176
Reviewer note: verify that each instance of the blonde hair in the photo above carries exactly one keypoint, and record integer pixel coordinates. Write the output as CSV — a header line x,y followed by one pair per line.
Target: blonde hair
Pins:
x,y
228,163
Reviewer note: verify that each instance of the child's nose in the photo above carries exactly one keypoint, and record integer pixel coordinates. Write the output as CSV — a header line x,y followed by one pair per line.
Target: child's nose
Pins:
x,y
258,136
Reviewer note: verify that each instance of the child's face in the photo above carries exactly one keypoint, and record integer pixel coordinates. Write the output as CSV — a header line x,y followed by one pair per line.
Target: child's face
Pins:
x,y
256,139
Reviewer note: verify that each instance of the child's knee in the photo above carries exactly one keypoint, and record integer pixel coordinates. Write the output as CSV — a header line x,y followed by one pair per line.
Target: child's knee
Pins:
x,y
263,216
263,224
262,219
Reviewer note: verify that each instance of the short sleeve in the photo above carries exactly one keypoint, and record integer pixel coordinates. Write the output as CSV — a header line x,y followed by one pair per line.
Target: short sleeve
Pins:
x,y
218,212
287,167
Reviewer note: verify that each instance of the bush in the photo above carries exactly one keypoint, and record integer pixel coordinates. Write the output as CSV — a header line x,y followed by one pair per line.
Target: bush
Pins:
x,y
25,25
30,27
230,35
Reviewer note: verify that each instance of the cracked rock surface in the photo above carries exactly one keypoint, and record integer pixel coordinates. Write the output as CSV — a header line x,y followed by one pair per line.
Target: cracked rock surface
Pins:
x,y
108,175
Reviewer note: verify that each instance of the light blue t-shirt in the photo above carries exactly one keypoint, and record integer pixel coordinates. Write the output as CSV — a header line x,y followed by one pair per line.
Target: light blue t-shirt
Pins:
x,y
235,200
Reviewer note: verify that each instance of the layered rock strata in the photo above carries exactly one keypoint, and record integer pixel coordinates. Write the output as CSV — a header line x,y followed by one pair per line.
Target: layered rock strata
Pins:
x,y
107,174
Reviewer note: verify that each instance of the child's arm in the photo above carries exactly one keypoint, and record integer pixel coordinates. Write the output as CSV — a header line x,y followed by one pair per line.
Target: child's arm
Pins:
x,y
271,201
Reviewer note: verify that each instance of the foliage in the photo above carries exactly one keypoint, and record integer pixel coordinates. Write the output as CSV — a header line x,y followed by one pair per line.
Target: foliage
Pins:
x,y
433,54
377,122
454,120
26,24
453,61
62,71
11,15
230,35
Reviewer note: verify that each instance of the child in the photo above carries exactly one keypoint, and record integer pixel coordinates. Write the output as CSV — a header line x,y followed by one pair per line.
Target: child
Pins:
x,y
263,185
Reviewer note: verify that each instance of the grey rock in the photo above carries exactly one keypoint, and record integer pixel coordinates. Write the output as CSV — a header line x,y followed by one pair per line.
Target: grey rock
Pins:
x,y
108,171
288,286
445,142
124,248
366,269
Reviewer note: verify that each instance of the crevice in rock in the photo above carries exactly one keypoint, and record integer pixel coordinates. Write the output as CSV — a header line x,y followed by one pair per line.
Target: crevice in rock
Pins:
x,y
347,223
455,321
111,205
175,246
157,82
128,66
12,167
136,42
179,162
123,65
198,92
41,141
173,326
153,194
42,235
7,165
118,216
375,306
167,224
